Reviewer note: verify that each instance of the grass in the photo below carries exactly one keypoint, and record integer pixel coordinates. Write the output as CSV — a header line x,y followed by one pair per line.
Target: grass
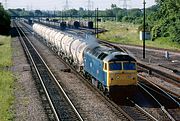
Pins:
x,y
5,51
6,79
6,95
126,33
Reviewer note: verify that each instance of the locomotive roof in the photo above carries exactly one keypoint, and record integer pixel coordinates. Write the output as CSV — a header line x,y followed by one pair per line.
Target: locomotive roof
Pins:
x,y
109,54
118,56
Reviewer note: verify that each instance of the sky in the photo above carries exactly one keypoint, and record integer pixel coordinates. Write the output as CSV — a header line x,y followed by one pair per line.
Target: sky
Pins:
x,y
60,4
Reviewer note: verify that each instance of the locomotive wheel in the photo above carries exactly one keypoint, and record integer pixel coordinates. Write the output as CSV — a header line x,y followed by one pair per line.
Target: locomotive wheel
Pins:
x,y
106,93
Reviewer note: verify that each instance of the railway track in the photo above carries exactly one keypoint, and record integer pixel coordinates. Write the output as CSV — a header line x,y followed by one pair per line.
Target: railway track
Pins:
x,y
157,74
60,104
122,115
152,92
151,70
128,112
140,113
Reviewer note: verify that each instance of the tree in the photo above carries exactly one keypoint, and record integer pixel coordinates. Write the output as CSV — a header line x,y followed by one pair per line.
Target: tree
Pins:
x,y
113,6
168,20
38,12
4,21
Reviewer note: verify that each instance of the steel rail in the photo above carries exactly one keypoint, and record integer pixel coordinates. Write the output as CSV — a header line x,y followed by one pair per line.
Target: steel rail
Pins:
x,y
161,106
144,111
92,87
39,76
174,78
60,87
160,90
119,108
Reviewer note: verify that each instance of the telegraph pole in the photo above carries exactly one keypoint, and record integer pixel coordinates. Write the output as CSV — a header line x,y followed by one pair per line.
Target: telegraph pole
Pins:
x,y
67,5
89,7
97,19
5,4
144,29
125,4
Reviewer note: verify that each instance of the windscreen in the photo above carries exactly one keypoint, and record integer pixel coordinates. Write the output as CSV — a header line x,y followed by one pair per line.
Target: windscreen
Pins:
x,y
115,66
129,66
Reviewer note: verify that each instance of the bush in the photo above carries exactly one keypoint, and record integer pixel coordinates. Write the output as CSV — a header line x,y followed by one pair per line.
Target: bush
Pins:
x,y
128,19
147,27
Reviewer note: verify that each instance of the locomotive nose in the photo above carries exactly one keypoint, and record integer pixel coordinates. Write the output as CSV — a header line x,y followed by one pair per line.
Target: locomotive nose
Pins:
x,y
122,79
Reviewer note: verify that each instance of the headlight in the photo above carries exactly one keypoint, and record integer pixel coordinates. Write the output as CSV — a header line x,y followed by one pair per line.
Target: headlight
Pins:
x,y
117,77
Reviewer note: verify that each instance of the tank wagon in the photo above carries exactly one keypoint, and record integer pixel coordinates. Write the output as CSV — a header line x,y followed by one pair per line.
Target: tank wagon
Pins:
x,y
73,24
28,21
70,24
63,25
107,69
86,24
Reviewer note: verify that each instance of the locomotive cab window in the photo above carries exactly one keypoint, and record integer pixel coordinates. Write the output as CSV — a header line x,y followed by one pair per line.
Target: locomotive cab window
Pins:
x,y
115,66
129,66
102,56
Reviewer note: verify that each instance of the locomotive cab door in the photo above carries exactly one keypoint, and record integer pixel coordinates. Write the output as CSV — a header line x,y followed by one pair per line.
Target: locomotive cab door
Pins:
x,y
105,70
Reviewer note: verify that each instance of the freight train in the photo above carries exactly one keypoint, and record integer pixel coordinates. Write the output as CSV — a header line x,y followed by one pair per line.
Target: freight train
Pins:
x,y
70,23
107,69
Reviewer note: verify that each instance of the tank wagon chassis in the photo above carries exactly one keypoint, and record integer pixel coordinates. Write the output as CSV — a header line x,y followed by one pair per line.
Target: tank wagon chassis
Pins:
x,y
108,69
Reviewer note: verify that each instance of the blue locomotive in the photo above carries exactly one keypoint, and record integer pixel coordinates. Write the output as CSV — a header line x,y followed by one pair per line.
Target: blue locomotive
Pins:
x,y
109,69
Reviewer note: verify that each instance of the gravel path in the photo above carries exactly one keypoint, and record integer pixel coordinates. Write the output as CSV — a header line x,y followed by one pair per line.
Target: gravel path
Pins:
x,y
27,104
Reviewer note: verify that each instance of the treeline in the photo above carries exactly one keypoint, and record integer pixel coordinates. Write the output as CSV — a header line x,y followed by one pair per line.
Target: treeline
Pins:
x,y
4,21
162,19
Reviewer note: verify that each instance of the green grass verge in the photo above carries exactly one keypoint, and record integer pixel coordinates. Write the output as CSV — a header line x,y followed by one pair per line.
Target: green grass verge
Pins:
x,y
6,95
6,79
126,33
5,51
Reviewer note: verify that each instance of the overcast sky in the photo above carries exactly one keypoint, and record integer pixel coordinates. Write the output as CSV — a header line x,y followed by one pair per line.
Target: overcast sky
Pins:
x,y
60,4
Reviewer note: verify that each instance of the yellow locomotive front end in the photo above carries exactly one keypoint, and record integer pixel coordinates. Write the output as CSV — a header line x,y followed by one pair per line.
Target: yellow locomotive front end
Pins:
x,y
122,73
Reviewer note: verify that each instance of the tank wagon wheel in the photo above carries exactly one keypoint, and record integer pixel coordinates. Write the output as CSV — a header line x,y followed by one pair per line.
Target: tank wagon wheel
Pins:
x,y
58,53
78,68
52,48
66,59
81,69
71,61
85,74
